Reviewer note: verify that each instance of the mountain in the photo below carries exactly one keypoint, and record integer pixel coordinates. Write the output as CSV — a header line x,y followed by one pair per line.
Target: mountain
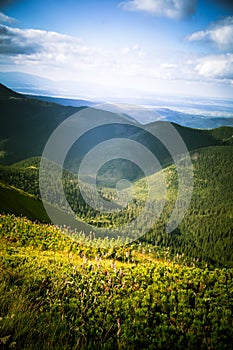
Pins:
x,y
206,230
190,112
164,291
6,93
204,233
199,120
36,85
27,123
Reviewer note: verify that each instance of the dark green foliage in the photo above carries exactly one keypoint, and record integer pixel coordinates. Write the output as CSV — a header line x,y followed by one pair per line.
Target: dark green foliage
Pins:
x,y
205,232
63,292
224,134
26,124
17,202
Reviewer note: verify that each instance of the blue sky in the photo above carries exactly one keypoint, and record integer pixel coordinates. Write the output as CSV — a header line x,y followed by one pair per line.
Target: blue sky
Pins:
x,y
122,48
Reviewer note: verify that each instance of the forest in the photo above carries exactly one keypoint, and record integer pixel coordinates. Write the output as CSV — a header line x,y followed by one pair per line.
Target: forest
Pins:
x,y
204,233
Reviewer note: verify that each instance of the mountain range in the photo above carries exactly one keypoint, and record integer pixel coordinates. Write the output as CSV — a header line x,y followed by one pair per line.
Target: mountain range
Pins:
x,y
27,123
191,112
206,230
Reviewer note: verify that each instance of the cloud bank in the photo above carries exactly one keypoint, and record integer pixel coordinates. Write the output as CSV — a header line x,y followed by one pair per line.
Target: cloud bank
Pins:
x,y
64,57
220,33
216,67
175,9
28,41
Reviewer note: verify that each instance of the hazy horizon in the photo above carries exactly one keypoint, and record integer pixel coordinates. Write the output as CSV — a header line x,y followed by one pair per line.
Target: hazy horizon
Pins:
x,y
121,49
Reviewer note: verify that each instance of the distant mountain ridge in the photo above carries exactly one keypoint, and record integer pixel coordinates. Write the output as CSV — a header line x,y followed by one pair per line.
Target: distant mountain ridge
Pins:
x,y
64,101
27,123
24,82
191,111
198,121
194,120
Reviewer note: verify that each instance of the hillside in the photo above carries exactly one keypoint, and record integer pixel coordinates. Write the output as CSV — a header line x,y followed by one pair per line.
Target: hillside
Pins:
x,y
26,125
18,202
15,201
224,134
206,230
197,121
65,289
58,294
6,93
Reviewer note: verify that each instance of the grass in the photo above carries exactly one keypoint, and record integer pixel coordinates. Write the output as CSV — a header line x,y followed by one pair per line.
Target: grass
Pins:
x,y
58,293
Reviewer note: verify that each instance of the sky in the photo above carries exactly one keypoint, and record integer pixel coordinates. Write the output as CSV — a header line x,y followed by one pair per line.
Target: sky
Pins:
x,y
121,48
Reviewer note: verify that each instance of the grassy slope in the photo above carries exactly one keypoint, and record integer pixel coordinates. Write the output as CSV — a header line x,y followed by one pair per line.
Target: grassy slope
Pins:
x,y
56,293
205,232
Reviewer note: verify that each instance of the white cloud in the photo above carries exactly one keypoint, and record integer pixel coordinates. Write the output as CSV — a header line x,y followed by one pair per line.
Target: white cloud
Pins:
x,y
58,55
6,19
219,66
216,67
62,57
220,33
38,45
165,8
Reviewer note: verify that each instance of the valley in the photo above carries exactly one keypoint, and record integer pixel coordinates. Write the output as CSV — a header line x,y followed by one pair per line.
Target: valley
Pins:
x,y
80,290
